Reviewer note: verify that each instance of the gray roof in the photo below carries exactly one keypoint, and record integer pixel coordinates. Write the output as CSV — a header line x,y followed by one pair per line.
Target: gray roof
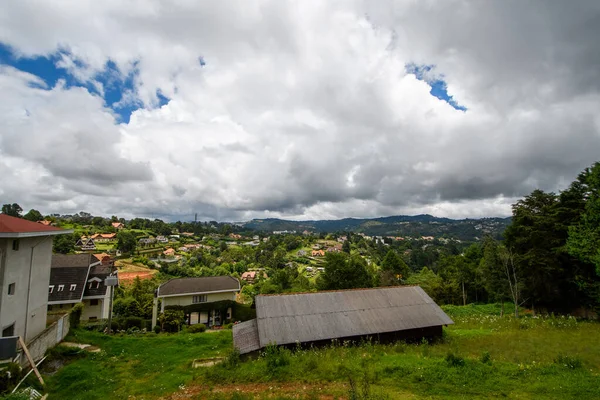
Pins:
x,y
101,272
309,317
67,270
182,286
245,336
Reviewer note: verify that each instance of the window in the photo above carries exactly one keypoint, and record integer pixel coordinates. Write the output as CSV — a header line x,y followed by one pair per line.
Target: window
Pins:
x,y
73,287
94,302
199,299
11,289
229,313
61,288
16,245
94,285
50,288
8,331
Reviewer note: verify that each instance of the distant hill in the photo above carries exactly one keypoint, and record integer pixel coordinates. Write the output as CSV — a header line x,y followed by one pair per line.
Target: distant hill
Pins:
x,y
400,225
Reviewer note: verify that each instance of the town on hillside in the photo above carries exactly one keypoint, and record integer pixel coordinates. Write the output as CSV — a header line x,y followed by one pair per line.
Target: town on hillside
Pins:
x,y
243,295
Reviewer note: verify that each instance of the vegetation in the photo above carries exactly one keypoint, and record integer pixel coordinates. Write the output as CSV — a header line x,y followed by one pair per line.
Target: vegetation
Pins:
x,y
483,355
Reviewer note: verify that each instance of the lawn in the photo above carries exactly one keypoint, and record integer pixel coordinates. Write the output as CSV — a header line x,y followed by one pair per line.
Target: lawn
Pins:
x,y
481,356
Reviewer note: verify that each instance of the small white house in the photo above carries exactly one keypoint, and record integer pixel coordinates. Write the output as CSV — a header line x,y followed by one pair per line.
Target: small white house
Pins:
x,y
189,291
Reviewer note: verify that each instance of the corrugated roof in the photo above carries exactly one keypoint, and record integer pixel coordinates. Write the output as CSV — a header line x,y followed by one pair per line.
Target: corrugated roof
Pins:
x,y
198,285
245,336
311,317
10,224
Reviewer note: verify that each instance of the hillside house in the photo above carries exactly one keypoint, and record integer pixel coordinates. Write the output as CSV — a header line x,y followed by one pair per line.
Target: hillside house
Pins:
x,y
251,276
383,314
86,244
78,278
318,253
45,222
118,225
198,293
25,257
104,237
169,253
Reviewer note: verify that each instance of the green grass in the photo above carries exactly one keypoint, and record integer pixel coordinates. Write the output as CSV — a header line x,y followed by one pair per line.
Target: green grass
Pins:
x,y
481,356
147,366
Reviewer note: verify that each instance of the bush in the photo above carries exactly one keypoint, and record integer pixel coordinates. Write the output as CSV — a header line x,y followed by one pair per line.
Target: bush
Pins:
x,y
276,357
10,375
197,328
157,329
454,361
75,315
568,361
228,326
485,358
132,322
171,320
233,359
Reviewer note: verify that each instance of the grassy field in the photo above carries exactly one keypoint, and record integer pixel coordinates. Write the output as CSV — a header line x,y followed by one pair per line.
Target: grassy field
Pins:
x,y
481,356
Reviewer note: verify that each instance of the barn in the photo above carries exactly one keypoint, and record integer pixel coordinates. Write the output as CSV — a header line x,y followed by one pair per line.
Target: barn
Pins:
x,y
384,314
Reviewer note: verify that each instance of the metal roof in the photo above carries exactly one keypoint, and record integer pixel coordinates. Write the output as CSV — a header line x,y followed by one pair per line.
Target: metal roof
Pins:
x,y
245,336
182,286
308,317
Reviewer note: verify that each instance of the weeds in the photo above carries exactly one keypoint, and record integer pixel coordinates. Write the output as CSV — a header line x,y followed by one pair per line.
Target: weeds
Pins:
x,y
568,361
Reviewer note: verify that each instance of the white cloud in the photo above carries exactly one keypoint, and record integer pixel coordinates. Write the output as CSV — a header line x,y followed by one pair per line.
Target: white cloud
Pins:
x,y
303,109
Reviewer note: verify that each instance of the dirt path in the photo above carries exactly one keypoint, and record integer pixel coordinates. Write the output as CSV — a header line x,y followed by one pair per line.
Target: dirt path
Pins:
x,y
292,390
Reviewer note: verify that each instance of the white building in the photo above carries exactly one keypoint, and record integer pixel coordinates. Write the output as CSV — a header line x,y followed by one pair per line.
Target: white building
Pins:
x,y
25,254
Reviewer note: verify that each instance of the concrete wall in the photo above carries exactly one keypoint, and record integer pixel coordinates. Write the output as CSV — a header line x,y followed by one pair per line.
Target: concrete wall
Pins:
x,y
15,269
47,339
187,300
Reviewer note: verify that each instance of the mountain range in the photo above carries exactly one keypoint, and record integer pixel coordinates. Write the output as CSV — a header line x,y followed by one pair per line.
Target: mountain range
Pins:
x,y
400,225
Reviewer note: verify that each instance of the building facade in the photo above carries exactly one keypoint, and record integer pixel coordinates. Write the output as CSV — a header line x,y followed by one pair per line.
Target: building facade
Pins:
x,y
25,256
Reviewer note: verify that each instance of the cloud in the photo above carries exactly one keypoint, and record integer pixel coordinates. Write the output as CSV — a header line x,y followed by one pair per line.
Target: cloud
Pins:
x,y
302,109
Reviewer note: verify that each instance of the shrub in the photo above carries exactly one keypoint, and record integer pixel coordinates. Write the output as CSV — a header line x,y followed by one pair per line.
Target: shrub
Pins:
x,y
75,315
10,375
197,328
276,357
233,359
568,361
454,361
228,326
171,320
157,329
132,322
485,358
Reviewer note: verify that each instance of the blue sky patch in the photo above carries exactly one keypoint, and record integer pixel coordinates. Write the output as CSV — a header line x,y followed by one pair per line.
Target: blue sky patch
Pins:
x,y
439,88
115,85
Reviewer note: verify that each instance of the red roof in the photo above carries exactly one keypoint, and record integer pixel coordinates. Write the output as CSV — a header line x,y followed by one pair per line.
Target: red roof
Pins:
x,y
10,224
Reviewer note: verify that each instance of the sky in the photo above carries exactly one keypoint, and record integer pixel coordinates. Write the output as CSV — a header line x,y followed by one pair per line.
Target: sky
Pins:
x,y
295,109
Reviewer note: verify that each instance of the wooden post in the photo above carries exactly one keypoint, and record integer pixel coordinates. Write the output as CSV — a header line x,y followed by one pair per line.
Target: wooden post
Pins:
x,y
26,351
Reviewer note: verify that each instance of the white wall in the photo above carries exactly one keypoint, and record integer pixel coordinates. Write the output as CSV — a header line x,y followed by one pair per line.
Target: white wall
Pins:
x,y
99,311
187,299
16,270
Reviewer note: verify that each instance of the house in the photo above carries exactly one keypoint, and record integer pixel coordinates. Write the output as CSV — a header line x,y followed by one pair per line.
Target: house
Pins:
x,y
162,239
318,253
235,236
105,259
169,252
301,253
25,256
118,225
86,243
427,238
250,276
197,295
384,314
334,249
147,241
78,278
45,222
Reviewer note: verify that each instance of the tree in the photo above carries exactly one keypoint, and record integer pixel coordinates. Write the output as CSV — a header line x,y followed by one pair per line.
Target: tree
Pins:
x,y
393,270
344,272
584,237
126,242
14,210
64,244
512,277
346,246
33,215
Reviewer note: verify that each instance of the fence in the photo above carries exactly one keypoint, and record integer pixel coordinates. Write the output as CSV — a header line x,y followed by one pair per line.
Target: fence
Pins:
x,y
49,338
